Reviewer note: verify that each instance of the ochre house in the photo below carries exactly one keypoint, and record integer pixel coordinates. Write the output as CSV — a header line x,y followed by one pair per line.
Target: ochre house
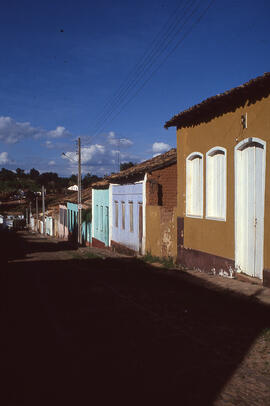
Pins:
x,y
223,182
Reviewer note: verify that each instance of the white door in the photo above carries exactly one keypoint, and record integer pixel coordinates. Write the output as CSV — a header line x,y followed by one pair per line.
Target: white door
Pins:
x,y
249,213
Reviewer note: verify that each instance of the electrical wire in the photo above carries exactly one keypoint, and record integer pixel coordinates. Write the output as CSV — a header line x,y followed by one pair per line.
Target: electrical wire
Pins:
x,y
148,62
155,44
156,69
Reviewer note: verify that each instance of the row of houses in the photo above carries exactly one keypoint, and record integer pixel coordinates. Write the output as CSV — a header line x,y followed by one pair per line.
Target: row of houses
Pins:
x,y
206,203
133,211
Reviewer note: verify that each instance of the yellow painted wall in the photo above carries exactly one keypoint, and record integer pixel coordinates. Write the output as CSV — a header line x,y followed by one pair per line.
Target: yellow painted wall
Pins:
x,y
212,236
161,237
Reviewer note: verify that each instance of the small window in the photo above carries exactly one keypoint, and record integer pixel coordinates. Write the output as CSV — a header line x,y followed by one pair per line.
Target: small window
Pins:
x,y
65,218
123,216
216,183
101,218
61,216
194,185
131,224
96,219
116,214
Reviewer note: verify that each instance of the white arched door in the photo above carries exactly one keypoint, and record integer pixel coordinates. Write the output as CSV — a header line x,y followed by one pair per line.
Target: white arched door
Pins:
x,y
249,206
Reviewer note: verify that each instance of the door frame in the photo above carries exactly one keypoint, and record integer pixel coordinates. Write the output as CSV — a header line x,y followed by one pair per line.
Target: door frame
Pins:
x,y
238,148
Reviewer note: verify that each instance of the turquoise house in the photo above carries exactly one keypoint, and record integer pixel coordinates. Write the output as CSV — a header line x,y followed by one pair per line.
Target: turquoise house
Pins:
x,y
72,214
100,217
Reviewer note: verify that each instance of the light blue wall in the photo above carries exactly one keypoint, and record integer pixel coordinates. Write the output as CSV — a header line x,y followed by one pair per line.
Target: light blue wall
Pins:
x,y
72,216
73,221
86,232
125,194
100,215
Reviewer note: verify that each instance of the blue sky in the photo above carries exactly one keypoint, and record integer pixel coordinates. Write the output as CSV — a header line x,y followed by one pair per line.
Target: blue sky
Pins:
x,y
62,61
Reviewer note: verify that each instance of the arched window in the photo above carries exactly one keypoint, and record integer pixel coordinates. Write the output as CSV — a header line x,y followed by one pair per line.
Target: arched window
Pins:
x,y
194,185
216,181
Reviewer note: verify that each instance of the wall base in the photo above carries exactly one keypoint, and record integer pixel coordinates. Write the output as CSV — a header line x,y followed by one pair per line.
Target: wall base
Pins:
x,y
122,249
97,243
206,262
266,278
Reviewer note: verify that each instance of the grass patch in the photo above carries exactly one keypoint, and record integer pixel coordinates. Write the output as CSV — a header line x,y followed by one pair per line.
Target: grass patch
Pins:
x,y
85,255
266,334
166,262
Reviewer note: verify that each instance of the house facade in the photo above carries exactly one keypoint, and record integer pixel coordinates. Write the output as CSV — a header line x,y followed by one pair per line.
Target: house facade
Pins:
x,y
161,200
63,222
72,214
49,226
141,206
100,216
223,186
127,216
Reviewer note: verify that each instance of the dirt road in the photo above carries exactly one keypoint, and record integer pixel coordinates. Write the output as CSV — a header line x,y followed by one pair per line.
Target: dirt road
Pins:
x,y
77,328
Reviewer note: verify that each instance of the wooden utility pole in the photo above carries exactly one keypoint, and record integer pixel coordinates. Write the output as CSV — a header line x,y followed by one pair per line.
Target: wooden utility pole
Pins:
x,y
36,213
43,208
79,194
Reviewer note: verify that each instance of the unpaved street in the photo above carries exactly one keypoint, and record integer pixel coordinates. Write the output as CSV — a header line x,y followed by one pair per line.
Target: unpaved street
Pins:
x,y
78,326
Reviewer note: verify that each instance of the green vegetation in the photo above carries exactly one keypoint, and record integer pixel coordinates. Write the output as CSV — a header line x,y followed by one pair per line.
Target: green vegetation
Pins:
x,y
166,262
126,165
85,255
266,334
13,181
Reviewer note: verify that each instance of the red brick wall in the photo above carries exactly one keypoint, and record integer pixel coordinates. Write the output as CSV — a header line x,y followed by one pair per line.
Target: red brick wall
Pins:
x,y
97,243
162,187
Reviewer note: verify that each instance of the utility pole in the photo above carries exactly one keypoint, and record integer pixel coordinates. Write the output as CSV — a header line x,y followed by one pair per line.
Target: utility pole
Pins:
x,y
79,194
43,208
36,213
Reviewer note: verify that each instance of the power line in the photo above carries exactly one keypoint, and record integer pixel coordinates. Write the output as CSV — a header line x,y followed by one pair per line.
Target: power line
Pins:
x,y
152,56
198,19
140,63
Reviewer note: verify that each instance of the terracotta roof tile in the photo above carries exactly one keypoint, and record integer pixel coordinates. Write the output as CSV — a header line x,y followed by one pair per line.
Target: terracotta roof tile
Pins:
x,y
224,102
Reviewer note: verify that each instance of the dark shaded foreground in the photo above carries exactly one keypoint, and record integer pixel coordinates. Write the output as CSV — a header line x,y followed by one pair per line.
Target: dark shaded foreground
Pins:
x,y
82,331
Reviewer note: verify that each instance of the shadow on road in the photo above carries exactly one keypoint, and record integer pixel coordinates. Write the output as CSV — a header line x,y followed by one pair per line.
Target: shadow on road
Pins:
x,y
80,329
15,245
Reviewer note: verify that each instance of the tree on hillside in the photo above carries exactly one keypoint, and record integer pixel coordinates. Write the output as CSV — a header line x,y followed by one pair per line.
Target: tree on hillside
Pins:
x,y
49,180
88,179
7,175
126,165
73,180
34,174
20,173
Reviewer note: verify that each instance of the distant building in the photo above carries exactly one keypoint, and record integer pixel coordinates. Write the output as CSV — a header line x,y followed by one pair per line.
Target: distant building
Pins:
x,y
74,188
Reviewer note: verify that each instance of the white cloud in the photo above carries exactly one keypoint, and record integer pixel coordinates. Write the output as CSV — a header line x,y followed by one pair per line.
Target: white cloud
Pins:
x,y
4,159
89,155
160,148
48,144
97,158
12,131
51,163
92,153
58,132
112,140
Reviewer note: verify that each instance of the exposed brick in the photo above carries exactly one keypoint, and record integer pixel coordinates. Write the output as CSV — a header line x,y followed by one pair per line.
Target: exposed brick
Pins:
x,y
97,243
162,187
